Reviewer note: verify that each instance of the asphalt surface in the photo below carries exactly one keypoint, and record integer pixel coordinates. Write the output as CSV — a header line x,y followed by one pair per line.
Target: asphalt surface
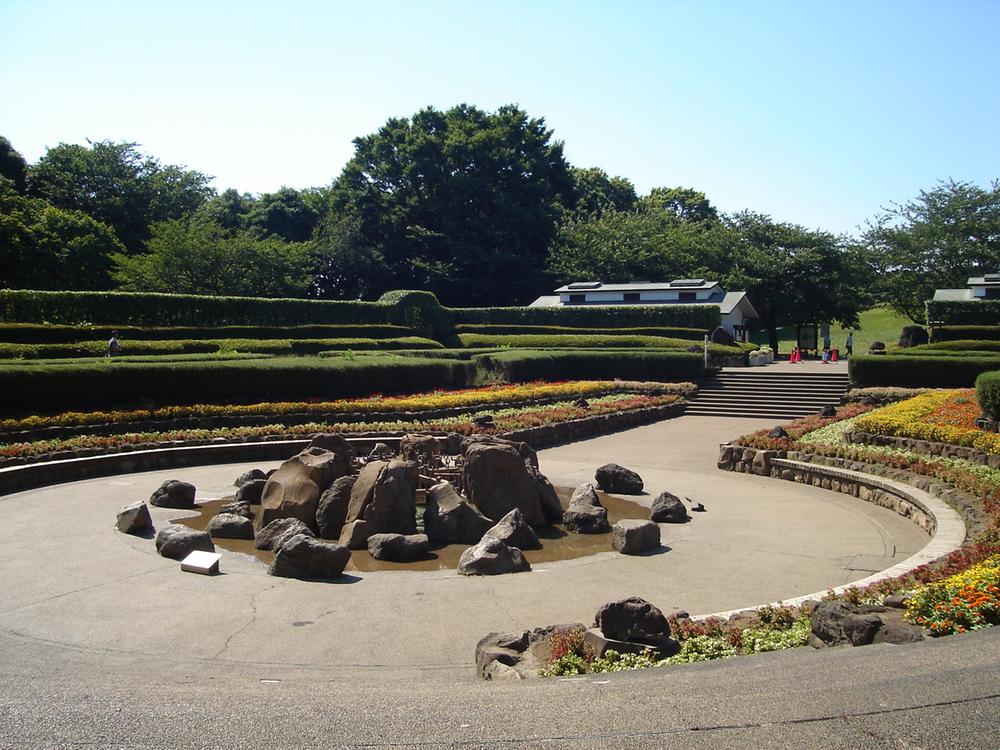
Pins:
x,y
104,644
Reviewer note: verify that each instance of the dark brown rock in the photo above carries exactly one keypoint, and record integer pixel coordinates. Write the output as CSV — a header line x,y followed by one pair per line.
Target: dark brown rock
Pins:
x,y
177,542
450,518
634,620
293,491
239,508
306,557
634,536
838,623
668,508
419,448
279,531
398,547
250,492
492,557
331,511
249,476
355,534
134,518
585,514
497,480
618,479
514,532
230,526
173,494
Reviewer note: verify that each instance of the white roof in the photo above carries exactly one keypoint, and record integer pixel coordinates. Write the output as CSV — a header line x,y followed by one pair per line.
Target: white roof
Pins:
x,y
546,301
682,285
953,295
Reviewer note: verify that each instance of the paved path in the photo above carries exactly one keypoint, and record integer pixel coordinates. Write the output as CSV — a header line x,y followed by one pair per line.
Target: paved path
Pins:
x,y
111,644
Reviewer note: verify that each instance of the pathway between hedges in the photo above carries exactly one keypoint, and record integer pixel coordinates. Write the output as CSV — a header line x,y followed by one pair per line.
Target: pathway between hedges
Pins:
x,y
108,639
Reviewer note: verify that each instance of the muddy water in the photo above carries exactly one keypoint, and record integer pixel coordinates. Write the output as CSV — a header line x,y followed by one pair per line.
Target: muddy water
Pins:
x,y
557,543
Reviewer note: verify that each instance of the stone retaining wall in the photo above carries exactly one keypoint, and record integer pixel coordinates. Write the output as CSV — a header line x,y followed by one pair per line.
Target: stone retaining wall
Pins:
x,y
925,447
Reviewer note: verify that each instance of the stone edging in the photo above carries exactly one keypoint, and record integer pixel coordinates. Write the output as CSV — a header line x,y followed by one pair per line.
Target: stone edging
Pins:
x,y
946,527
30,475
926,447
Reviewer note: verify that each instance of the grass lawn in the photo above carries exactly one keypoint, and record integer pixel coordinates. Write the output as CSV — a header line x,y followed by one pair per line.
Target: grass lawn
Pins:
x,y
877,324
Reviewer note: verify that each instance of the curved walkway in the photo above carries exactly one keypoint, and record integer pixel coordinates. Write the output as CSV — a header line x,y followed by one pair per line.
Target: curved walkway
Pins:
x,y
93,623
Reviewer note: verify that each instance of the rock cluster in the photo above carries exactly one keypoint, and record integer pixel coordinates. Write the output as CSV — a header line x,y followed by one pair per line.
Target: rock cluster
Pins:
x,y
585,514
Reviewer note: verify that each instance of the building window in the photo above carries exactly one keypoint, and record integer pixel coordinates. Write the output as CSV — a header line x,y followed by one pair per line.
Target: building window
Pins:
x,y
576,299
992,292
688,296
631,296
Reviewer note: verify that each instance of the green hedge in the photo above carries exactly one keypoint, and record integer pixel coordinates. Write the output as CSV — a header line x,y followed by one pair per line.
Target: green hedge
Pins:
x,y
965,333
915,371
956,346
45,388
34,333
248,346
692,334
525,366
580,341
158,358
988,393
979,313
704,317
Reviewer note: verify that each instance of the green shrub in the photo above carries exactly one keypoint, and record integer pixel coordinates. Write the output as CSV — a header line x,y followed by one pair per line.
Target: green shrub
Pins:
x,y
34,333
704,317
157,358
702,648
956,345
572,341
918,371
43,388
961,333
691,334
988,393
519,366
421,353
768,638
971,313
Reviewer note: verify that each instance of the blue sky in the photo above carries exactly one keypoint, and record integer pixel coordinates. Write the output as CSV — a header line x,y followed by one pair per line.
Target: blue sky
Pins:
x,y
816,113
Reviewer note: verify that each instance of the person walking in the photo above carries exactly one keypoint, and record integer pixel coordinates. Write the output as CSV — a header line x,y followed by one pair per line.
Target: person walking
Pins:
x,y
114,346
849,344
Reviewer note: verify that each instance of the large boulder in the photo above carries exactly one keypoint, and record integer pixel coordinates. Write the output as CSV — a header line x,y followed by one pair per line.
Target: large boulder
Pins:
x,y
497,479
134,518
293,491
331,511
385,495
634,620
177,542
355,534
279,531
306,557
398,547
230,526
668,508
526,451
173,494
514,532
548,498
585,514
450,518
632,536
339,446
251,492
492,557
618,479
419,448
249,476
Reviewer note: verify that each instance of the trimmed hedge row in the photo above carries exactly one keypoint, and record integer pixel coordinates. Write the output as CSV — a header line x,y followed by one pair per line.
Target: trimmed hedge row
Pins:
x,y
916,371
978,313
692,334
44,388
988,393
35,333
954,347
157,358
965,333
525,366
704,317
249,346
582,341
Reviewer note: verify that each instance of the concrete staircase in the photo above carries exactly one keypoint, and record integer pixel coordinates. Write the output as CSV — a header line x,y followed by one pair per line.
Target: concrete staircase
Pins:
x,y
767,393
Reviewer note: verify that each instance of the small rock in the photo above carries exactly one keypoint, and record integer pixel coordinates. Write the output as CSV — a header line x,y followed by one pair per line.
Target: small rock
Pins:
x,y
177,542
634,620
134,518
279,531
492,557
778,432
633,536
251,492
828,411
306,557
514,532
482,420
381,452
355,534
668,508
173,494
239,508
398,547
230,526
897,600
585,514
618,479
249,476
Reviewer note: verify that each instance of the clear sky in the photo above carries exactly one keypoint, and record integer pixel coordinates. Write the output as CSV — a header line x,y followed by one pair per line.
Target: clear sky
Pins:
x,y
816,113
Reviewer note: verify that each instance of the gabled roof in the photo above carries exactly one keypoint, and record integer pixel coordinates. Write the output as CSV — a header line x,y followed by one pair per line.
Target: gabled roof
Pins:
x,y
953,295
990,279
684,285
732,300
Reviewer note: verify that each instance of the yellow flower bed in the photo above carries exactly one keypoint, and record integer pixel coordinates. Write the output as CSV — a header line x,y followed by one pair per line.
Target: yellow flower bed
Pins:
x,y
966,601
910,419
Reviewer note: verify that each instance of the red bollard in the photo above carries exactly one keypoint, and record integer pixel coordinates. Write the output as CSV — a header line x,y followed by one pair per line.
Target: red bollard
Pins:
x,y
833,355
795,356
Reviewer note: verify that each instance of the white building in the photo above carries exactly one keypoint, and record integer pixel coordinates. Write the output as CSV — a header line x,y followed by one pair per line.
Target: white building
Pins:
x,y
979,288
735,308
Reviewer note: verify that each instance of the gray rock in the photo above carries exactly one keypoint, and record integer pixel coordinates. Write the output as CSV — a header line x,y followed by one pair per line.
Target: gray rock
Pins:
x,y
450,518
497,479
293,491
585,514
331,511
634,620
177,542
338,445
173,494
249,476
239,508
279,531
251,492
838,623
398,547
548,499
381,452
492,557
514,532
134,518
668,508
618,479
633,536
420,448
520,654
355,534
306,557
597,643
230,526
385,497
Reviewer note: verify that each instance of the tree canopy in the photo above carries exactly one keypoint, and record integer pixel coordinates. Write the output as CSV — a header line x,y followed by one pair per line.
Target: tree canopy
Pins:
x,y
13,166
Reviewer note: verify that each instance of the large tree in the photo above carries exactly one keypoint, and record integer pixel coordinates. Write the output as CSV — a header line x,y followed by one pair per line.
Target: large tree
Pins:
x,y
284,214
594,192
682,204
463,203
44,247
117,185
792,274
13,166
938,240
